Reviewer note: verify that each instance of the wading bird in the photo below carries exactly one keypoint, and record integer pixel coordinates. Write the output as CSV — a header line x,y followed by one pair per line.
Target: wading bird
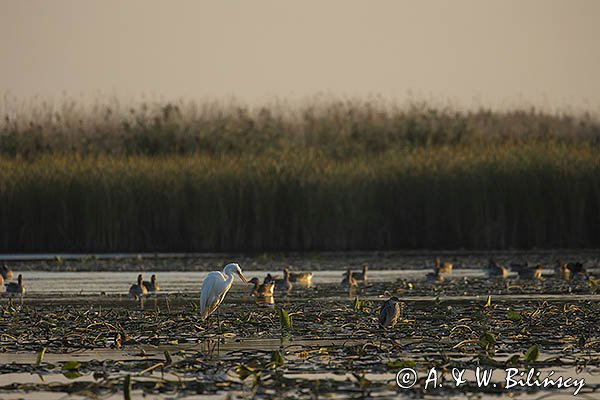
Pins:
x,y
215,287
6,272
152,286
390,313
137,290
16,288
262,290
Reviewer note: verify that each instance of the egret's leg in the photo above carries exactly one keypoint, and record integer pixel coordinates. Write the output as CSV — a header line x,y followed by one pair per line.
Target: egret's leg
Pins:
x,y
220,333
219,321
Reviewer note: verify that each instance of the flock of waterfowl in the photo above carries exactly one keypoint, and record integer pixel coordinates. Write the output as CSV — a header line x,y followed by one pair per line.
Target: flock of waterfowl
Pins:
x,y
216,284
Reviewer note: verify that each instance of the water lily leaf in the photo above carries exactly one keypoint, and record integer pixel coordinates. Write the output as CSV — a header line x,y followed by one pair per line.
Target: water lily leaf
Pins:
x,y
277,358
485,359
514,316
514,360
168,358
487,340
71,365
284,320
357,304
245,371
532,354
72,374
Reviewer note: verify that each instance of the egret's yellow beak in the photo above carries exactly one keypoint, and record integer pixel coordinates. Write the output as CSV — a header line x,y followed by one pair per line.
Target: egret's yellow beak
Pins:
x,y
242,278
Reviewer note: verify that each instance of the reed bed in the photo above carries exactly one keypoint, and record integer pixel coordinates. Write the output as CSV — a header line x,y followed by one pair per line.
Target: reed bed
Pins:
x,y
473,196
326,174
337,128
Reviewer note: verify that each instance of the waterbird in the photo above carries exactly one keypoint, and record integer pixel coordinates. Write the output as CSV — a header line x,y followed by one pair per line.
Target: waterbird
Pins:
x,y
138,289
348,279
262,290
443,267
301,277
390,313
285,283
215,286
565,272
16,288
493,269
6,272
577,268
361,276
152,286
526,272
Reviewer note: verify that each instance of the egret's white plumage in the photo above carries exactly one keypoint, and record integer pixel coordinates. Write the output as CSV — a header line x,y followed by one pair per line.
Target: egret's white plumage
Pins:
x,y
215,287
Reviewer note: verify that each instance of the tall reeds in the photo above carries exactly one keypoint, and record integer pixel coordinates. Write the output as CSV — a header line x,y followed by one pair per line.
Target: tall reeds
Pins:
x,y
447,196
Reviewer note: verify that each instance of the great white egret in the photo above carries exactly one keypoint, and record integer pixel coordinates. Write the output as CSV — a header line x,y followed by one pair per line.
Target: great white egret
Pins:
x,y
152,286
215,287
16,288
138,289
390,313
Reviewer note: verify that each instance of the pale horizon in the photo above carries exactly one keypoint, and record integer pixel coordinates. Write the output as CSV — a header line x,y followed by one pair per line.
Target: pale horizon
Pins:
x,y
498,54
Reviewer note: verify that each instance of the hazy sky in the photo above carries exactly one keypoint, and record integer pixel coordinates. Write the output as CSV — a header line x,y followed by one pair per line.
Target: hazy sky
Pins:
x,y
499,53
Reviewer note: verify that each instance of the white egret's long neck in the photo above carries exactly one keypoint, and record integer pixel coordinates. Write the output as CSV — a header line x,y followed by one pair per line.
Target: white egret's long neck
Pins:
x,y
230,277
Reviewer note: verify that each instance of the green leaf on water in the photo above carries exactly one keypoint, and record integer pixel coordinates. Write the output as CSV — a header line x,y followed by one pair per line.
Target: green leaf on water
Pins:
x,y
485,359
357,304
487,340
532,354
277,358
71,365
40,357
514,360
127,388
245,371
284,320
514,316
168,358
71,374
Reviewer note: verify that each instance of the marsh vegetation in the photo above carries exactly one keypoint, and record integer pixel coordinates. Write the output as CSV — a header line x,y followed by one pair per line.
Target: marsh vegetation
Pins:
x,y
319,341
326,175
